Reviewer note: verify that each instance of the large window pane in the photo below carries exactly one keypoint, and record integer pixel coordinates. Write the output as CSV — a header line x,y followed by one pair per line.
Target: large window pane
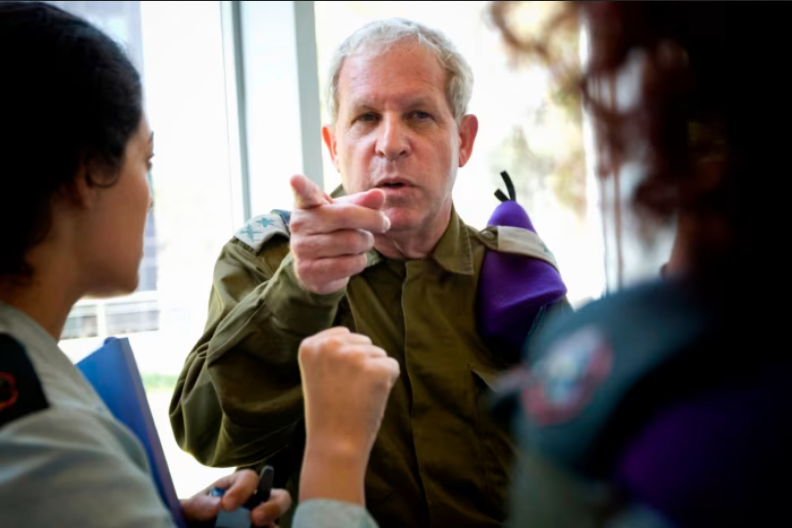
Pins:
x,y
183,71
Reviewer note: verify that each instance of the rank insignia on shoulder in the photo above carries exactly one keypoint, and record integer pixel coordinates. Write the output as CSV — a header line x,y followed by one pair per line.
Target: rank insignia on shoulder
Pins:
x,y
563,382
260,229
20,389
8,390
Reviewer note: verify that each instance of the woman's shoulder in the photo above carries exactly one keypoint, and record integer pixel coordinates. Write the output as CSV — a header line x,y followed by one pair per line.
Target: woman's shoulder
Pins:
x,y
46,404
595,367
74,462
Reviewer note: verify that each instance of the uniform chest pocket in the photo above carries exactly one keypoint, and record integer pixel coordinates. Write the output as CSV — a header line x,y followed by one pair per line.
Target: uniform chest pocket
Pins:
x,y
498,446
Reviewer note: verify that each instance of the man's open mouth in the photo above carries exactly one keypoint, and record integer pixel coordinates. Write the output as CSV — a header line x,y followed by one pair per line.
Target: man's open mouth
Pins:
x,y
394,183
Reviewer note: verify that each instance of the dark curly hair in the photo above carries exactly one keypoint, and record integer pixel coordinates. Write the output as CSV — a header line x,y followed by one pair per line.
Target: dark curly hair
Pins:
x,y
68,96
712,115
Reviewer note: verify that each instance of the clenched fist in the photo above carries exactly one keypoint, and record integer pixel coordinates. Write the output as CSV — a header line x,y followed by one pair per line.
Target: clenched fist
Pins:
x,y
346,382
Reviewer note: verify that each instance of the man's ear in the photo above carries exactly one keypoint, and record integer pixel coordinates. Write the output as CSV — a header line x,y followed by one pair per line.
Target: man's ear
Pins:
x,y
329,140
468,129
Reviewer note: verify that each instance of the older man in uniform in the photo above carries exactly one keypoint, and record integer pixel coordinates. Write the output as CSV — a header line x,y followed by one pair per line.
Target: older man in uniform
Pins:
x,y
388,257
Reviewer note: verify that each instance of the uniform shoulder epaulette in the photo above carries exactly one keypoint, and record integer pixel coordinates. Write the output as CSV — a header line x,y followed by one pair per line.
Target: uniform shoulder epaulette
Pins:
x,y
518,241
20,389
260,229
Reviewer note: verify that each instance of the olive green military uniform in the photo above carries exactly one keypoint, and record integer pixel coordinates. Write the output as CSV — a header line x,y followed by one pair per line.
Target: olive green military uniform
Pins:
x,y
438,460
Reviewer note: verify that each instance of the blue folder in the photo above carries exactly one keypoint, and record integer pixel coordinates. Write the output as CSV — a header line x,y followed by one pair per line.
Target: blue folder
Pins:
x,y
113,372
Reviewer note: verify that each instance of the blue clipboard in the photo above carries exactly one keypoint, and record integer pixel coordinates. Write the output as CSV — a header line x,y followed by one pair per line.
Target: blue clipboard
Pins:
x,y
113,372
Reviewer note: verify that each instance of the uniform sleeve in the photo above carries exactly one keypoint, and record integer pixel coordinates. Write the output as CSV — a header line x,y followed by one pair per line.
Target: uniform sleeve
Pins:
x,y
238,399
64,468
332,514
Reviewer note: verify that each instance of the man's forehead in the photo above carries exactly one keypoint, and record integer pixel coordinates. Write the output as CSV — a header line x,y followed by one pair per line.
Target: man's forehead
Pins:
x,y
408,77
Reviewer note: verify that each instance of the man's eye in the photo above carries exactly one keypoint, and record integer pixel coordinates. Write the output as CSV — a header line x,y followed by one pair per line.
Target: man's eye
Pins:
x,y
368,117
419,115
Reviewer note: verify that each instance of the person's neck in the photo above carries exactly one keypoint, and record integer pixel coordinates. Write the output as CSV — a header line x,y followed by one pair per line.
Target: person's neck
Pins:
x,y
46,297
413,244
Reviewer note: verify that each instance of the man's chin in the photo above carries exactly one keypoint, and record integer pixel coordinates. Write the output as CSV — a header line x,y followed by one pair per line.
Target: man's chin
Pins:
x,y
403,220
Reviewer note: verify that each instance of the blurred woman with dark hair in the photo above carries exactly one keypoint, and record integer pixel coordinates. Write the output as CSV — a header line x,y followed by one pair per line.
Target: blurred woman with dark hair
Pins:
x,y
665,405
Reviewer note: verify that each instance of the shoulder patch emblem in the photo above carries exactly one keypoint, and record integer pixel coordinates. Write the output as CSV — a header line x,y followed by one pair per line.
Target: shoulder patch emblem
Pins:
x,y
260,229
562,383
20,389
8,390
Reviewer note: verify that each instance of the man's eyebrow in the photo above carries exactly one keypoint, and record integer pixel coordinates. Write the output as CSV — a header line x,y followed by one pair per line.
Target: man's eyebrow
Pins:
x,y
418,101
410,102
362,106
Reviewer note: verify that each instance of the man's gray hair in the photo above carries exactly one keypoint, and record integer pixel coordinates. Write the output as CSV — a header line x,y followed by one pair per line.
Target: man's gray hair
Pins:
x,y
377,37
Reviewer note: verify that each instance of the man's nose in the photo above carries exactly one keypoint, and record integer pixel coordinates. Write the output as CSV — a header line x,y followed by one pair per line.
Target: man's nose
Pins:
x,y
392,142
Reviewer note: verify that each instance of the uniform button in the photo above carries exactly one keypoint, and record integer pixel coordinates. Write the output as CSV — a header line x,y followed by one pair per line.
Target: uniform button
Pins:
x,y
489,235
